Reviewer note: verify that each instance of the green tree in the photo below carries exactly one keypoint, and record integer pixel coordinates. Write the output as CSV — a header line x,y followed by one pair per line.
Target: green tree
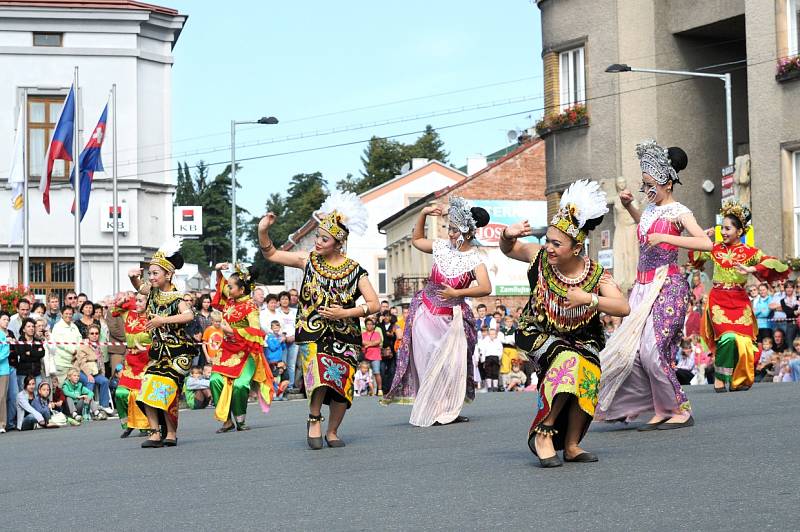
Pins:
x,y
215,197
383,159
305,194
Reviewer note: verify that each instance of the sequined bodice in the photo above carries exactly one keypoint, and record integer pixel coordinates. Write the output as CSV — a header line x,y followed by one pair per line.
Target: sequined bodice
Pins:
x,y
462,280
664,220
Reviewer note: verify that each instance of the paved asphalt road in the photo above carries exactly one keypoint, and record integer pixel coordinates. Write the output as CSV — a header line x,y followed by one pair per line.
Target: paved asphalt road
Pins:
x,y
737,469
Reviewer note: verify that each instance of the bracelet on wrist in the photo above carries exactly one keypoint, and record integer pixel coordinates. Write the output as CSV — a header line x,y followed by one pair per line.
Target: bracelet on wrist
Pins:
x,y
504,237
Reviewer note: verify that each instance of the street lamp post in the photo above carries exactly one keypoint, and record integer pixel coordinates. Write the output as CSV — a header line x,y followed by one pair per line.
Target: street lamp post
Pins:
x,y
234,123
726,78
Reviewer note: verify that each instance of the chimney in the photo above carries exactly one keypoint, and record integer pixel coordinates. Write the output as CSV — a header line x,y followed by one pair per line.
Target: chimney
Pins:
x,y
475,163
418,162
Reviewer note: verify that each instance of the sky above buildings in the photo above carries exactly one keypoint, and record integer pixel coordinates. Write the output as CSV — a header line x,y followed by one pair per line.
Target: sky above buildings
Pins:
x,y
337,73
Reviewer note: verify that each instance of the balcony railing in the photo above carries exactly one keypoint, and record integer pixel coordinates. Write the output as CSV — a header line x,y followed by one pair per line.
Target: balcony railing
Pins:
x,y
407,286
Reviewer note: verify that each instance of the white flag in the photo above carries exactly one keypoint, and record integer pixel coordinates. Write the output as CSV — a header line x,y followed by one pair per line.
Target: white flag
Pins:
x,y
17,181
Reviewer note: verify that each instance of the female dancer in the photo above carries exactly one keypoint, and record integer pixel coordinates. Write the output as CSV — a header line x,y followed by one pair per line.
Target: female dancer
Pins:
x,y
638,372
327,317
242,358
435,358
729,327
137,342
172,351
560,327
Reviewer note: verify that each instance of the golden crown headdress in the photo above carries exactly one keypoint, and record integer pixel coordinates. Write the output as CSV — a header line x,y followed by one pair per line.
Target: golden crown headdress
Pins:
x,y
343,213
242,271
584,200
168,249
736,210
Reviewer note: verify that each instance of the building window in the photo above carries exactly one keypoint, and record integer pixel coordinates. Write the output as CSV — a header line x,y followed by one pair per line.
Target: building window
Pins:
x,y
795,174
51,275
571,78
43,112
382,275
793,26
47,39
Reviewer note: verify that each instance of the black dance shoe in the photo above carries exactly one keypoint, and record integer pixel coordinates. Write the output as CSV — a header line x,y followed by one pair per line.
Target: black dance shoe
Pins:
x,y
546,430
126,433
670,426
169,442
152,444
334,444
314,443
584,457
647,427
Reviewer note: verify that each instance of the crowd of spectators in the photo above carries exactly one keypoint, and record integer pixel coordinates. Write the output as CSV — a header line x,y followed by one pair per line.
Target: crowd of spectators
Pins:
x,y
64,369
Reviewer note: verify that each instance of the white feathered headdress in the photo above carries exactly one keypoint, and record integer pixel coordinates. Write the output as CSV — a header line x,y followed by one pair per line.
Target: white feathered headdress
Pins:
x,y
584,200
168,249
343,214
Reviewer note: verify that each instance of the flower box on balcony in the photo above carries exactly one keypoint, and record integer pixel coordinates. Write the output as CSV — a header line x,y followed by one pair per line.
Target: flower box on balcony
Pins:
x,y
573,117
788,69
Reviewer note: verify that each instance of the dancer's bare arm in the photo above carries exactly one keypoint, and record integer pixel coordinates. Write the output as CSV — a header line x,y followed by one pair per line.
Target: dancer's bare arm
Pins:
x,y
268,250
513,248
418,239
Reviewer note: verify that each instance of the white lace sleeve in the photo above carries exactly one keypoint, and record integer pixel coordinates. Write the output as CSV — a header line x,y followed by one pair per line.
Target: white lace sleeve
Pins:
x,y
452,262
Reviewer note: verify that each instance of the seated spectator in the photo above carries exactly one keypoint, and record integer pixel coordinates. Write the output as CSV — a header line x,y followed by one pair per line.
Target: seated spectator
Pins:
x,y
764,359
784,374
779,341
59,401
275,346
363,380
686,368
79,397
515,379
199,387
28,416
88,360
280,379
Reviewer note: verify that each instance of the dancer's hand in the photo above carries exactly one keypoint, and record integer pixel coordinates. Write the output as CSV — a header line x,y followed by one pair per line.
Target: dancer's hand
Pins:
x,y
745,269
154,323
577,297
267,221
222,266
518,230
711,232
226,328
135,272
432,210
626,197
448,292
653,239
332,312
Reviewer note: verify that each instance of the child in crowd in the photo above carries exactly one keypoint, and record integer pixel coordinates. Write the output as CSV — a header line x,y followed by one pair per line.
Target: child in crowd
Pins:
x,y
515,380
200,386
363,380
491,349
685,363
212,338
280,379
507,332
785,372
701,360
477,360
79,397
764,362
59,400
275,346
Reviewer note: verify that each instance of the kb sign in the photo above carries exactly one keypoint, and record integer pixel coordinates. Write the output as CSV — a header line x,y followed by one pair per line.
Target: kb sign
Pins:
x,y
188,220
107,218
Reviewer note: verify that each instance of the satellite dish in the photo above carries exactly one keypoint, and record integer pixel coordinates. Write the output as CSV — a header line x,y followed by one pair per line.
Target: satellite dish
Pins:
x,y
512,135
405,168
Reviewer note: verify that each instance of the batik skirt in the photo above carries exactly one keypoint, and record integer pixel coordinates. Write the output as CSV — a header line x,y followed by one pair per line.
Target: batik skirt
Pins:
x,y
565,368
331,364
163,378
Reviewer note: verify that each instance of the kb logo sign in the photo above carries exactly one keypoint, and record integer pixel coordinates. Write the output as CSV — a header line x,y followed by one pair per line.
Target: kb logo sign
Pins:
x,y
188,220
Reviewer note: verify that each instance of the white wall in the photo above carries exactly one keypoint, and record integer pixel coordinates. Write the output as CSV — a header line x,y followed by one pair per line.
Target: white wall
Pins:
x,y
131,48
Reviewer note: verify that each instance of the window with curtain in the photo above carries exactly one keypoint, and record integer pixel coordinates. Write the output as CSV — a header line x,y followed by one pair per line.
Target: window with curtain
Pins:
x,y
572,82
43,112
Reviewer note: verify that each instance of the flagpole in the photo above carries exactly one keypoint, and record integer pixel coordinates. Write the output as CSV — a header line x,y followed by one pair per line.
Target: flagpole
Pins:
x,y
114,191
76,150
26,255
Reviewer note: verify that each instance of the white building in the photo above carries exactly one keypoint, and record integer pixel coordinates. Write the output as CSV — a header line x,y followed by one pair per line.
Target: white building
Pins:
x,y
369,250
111,41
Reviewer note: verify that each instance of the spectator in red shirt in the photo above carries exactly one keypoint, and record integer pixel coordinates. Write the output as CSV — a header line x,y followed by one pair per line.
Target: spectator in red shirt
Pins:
x,y
372,340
